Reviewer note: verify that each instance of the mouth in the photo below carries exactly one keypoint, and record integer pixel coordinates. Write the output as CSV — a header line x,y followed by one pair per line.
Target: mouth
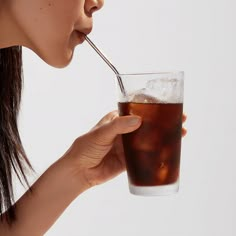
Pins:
x,y
82,33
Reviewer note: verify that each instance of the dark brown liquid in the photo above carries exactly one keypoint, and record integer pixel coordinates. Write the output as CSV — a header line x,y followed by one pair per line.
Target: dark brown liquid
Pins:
x,y
153,151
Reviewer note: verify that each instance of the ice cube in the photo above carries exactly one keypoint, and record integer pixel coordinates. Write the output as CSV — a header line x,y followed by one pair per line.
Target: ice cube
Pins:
x,y
143,98
147,141
167,90
165,153
162,172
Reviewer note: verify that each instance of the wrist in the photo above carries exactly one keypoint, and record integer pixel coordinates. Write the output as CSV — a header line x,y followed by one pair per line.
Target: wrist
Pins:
x,y
74,174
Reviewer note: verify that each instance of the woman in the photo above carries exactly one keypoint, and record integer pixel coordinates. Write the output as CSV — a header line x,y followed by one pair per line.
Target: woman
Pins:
x,y
51,29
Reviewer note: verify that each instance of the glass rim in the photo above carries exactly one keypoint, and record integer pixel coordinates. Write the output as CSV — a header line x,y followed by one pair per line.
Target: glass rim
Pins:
x,y
152,73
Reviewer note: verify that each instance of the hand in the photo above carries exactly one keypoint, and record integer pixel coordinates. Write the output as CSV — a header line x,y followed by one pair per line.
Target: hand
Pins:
x,y
99,154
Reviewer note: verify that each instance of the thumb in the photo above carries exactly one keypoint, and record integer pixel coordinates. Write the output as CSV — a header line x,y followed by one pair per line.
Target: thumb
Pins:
x,y
106,133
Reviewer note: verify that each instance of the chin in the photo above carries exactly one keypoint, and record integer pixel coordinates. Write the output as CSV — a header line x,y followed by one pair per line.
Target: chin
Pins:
x,y
60,64
59,60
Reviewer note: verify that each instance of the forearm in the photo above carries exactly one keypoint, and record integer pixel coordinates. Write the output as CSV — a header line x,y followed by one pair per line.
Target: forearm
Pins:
x,y
93,158
52,193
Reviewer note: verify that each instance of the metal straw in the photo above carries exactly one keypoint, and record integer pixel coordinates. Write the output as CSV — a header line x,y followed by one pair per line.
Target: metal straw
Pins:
x,y
108,63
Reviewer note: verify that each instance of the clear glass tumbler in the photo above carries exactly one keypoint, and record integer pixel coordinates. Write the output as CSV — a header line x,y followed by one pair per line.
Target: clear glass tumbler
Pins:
x,y
153,151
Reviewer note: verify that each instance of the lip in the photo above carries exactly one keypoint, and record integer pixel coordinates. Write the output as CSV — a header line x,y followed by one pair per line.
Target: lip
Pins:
x,y
86,30
80,35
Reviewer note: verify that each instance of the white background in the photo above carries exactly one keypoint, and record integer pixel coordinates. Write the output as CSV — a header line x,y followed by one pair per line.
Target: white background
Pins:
x,y
61,104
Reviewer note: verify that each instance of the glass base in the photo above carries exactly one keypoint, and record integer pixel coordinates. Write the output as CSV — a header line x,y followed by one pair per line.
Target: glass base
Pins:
x,y
160,190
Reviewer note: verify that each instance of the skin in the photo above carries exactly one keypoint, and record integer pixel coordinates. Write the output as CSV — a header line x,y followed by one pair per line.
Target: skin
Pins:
x,y
52,29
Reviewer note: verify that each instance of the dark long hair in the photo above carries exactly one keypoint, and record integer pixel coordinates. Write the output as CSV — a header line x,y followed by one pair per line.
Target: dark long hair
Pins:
x,y
12,155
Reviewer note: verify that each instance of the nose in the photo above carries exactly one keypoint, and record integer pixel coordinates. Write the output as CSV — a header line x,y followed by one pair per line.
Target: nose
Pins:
x,y
93,5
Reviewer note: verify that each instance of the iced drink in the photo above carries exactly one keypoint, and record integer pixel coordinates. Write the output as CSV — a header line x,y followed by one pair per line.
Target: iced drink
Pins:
x,y
153,150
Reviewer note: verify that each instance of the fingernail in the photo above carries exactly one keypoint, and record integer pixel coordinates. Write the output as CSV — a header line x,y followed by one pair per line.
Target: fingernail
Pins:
x,y
134,121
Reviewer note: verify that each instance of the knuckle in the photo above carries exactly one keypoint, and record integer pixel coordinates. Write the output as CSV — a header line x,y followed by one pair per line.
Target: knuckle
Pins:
x,y
115,122
113,115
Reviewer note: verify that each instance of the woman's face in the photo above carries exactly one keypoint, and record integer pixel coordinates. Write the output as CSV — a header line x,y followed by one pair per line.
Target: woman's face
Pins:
x,y
52,28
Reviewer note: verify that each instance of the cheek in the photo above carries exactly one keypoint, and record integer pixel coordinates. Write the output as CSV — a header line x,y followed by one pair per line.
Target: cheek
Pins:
x,y
55,41
48,29
58,39
54,47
